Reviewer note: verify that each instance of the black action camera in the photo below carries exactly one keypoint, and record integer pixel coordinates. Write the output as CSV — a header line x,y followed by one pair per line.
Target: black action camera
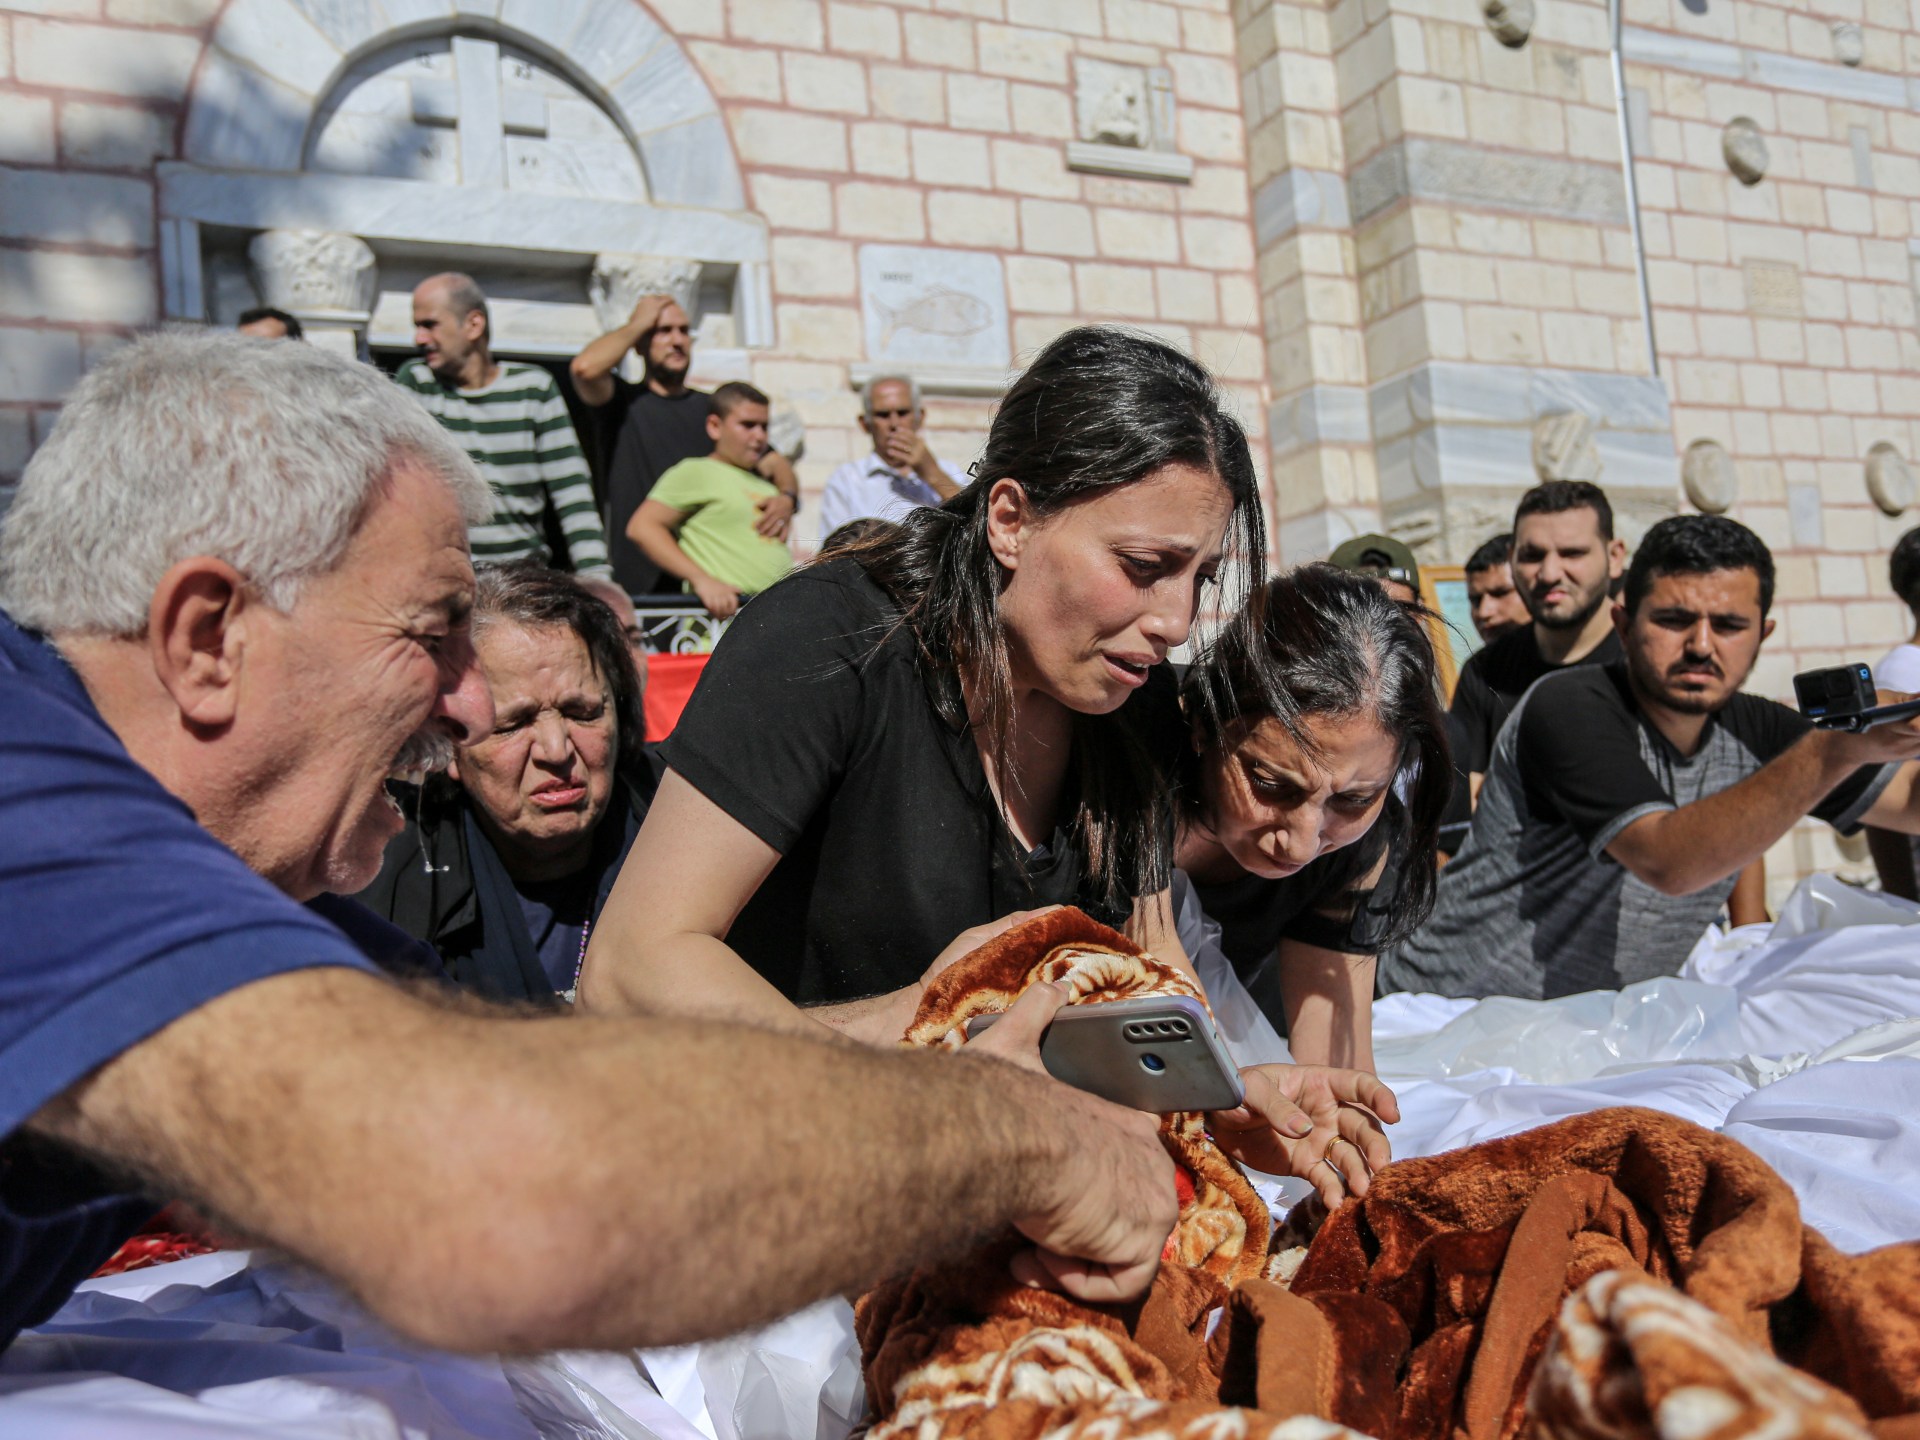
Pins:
x,y
1842,697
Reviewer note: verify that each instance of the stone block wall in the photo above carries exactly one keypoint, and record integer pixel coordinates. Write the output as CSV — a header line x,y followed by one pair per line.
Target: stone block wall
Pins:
x,y
907,122
1446,246
947,126
1496,265
90,97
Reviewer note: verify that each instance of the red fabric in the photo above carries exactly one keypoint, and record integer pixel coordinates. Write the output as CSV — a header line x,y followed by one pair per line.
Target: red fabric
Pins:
x,y
670,682
170,1235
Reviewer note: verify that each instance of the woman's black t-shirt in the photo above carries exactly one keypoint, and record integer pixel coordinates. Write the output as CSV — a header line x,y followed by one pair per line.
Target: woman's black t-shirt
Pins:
x,y
813,726
1326,903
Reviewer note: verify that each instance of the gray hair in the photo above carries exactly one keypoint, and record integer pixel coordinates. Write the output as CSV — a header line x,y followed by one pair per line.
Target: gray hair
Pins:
x,y
184,443
866,390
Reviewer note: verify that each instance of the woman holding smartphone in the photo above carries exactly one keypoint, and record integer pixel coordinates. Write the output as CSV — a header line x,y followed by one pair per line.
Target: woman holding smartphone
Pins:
x,y
953,719
1315,773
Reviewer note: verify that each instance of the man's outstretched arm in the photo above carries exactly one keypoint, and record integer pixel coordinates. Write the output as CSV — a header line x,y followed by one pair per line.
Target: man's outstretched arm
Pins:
x,y
1680,851
494,1183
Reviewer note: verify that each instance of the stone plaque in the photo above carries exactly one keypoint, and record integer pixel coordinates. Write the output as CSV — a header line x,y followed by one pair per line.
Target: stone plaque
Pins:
x,y
1564,447
934,307
1709,477
1125,105
1773,288
1890,480
1510,20
1745,150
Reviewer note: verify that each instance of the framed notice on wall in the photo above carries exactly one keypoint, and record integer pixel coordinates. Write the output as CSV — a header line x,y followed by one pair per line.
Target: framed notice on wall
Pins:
x,y
1444,588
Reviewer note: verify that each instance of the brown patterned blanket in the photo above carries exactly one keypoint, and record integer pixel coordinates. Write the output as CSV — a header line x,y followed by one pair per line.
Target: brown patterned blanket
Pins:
x,y
1622,1275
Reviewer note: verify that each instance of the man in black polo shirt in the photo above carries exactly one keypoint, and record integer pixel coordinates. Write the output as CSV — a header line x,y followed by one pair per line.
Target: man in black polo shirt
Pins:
x,y
1564,559
649,428
1623,799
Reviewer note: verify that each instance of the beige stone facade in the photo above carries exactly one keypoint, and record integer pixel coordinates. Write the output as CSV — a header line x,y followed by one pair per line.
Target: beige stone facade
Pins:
x,y
1406,242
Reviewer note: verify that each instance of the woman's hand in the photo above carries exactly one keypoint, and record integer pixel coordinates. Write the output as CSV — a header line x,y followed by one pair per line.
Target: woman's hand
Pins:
x,y
968,941
1312,1121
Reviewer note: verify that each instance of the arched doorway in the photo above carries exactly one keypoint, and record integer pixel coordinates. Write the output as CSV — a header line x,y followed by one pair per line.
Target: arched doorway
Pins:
x,y
563,151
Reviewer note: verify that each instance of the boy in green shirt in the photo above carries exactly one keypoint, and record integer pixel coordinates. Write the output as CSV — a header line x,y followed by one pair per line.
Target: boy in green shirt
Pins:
x,y
698,521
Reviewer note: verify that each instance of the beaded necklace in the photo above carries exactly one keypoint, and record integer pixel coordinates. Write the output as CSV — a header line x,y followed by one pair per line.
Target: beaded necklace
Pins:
x,y
580,962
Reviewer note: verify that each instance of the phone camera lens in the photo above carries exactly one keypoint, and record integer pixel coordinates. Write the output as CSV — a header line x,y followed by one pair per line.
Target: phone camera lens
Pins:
x,y
1152,1064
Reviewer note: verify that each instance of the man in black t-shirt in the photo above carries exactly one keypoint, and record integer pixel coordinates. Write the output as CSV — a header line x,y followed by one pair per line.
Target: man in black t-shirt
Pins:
x,y
1564,559
1495,601
647,429
1623,800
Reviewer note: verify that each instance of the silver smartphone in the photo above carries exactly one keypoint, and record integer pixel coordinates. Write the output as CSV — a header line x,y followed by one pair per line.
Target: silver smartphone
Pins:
x,y
1158,1053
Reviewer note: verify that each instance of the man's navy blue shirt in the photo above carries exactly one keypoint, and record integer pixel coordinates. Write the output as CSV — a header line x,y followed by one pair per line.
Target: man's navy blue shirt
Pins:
x,y
118,915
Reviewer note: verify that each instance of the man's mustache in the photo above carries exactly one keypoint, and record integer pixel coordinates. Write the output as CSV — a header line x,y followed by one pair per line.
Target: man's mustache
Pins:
x,y
1696,667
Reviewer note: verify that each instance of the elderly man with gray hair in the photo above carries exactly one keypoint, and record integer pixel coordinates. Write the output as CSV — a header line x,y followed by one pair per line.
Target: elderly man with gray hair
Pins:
x,y
236,591
900,473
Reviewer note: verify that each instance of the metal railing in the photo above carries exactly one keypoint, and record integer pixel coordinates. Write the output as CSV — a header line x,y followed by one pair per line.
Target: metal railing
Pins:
x,y
677,625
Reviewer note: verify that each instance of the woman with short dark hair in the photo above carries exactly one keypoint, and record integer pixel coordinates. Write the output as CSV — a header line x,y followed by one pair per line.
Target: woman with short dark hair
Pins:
x,y
508,857
1316,771
952,719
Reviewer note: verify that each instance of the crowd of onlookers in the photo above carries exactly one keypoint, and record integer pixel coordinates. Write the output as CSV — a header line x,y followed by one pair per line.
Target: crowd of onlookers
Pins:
x,y
1569,836
352,908
1585,837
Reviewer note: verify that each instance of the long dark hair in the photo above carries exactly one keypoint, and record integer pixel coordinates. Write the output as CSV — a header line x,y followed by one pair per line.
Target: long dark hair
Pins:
x,y
1322,641
1099,408
528,594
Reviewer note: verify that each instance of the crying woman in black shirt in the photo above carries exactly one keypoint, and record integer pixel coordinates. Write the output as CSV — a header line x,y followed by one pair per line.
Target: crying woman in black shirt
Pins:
x,y
953,720
1315,774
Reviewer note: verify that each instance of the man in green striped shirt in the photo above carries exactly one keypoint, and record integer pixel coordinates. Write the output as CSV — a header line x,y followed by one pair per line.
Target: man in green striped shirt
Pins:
x,y
511,420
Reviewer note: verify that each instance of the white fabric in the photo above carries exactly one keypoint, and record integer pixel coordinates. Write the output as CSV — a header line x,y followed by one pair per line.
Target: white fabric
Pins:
x,y
1832,988
1899,669
224,1344
1845,1136
1554,1041
1801,994
1817,1024
868,487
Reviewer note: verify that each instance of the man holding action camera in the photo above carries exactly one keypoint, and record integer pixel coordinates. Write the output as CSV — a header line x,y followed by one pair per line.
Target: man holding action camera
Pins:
x,y
1623,800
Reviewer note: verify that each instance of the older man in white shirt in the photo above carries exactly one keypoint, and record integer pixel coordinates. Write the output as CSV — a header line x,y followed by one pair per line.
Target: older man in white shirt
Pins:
x,y
900,473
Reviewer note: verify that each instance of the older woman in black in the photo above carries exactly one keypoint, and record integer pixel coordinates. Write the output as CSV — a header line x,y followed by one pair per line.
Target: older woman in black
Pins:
x,y
1315,776
954,719
508,857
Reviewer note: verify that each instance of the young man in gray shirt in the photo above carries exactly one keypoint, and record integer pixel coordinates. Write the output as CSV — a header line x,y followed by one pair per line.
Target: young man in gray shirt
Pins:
x,y
1622,800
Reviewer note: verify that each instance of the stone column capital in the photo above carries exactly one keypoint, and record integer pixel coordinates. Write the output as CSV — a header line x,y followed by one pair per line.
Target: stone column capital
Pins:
x,y
318,275
619,280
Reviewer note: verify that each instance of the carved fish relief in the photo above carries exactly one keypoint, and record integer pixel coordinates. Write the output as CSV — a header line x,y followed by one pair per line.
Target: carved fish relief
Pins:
x,y
935,311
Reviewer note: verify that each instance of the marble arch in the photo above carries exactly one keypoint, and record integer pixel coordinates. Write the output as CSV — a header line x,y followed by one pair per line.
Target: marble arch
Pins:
x,y
273,69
